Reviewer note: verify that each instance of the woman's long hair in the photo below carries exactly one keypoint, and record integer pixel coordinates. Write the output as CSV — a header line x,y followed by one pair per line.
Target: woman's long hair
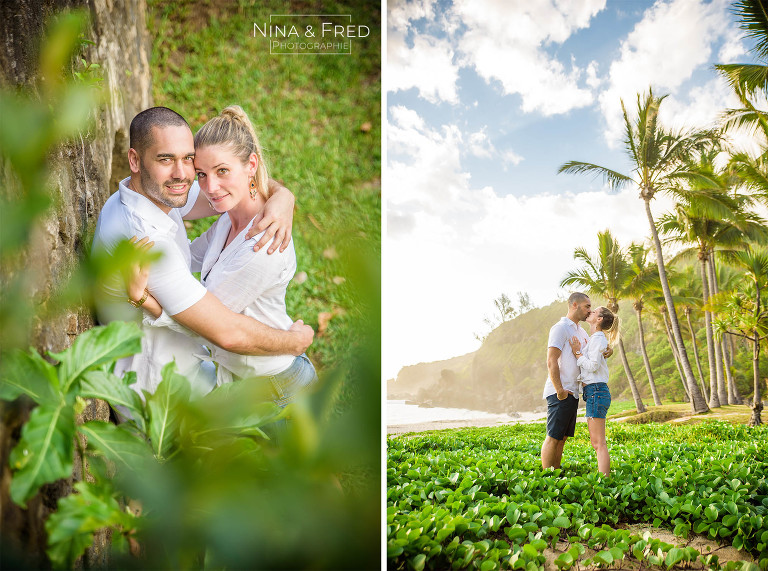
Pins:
x,y
233,129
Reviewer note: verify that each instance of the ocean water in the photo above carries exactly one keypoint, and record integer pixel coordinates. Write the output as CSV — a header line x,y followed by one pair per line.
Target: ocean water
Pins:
x,y
398,413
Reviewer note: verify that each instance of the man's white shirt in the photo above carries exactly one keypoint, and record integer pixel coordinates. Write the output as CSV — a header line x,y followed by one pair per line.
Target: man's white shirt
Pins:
x,y
126,214
559,335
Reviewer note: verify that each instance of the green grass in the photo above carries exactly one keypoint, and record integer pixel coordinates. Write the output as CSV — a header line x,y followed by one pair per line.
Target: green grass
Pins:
x,y
308,112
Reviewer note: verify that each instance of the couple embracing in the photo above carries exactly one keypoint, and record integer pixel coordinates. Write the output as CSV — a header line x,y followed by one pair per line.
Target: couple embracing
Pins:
x,y
576,360
235,316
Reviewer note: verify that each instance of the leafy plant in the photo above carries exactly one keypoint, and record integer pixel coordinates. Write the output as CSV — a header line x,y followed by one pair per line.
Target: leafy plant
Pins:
x,y
478,498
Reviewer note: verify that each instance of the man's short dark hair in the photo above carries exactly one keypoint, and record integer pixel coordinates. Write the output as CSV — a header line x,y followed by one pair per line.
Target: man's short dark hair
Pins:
x,y
141,126
577,297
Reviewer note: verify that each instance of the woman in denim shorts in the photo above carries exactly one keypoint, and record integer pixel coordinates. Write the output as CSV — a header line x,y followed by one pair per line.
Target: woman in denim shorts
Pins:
x,y
604,326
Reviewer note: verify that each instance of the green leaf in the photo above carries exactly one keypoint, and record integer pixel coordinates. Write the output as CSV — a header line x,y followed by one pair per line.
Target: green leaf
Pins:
x,y
44,453
70,528
711,513
31,375
674,556
96,347
116,391
165,408
561,521
117,443
564,561
417,562
513,514
603,557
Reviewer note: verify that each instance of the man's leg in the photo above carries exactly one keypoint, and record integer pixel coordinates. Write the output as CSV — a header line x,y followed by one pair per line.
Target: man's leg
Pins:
x,y
549,454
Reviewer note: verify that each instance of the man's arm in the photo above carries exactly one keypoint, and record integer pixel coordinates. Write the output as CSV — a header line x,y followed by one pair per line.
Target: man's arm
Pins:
x,y
240,334
553,354
275,219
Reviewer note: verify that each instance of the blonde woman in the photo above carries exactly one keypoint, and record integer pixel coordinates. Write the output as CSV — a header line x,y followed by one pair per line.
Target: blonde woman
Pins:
x,y
233,176
604,332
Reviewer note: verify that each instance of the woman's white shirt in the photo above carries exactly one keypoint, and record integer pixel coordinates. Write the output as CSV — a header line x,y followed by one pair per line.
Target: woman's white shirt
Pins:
x,y
247,282
592,364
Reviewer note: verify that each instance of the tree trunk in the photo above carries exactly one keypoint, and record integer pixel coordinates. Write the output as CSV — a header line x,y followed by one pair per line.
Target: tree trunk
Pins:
x,y
696,352
646,361
722,391
757,400
674,354
631,379
734,396
714,394
698,404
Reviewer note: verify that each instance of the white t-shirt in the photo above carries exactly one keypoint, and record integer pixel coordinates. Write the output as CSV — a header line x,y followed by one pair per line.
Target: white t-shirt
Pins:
x,y
126,214
593,367
559,335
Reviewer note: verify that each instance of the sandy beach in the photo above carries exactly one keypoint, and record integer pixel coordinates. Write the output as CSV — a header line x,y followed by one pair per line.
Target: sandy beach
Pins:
x,y
445,424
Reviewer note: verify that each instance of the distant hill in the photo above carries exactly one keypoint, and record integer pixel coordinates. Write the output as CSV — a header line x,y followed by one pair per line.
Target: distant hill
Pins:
x,y
508,371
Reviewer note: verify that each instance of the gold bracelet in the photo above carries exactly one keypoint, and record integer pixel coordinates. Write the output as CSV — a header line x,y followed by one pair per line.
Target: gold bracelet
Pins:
x,y
141,301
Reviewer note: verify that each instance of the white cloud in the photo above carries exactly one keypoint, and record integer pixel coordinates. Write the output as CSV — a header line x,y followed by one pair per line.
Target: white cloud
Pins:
x,y
427,65
671,41
733,49
511,158
401,13
505,42
479,145
451,248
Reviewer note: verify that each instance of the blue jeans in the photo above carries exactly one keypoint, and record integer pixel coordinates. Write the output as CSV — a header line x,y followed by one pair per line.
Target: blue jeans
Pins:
x,y
598,399
287,384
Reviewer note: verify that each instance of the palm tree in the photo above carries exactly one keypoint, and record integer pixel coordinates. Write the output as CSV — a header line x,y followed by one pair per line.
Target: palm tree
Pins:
x,y
643,279
659,159
728,278
691,224
747,80
745,314
606,276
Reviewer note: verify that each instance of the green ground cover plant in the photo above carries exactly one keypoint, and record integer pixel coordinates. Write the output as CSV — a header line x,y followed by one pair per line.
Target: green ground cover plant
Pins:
x,y
478,498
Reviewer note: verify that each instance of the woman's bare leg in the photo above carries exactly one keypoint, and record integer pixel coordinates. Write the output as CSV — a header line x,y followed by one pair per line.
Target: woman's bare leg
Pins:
x,y
597,438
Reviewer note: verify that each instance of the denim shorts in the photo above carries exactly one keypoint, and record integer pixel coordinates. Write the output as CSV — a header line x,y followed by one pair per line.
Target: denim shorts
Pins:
x,y
598,399
288,383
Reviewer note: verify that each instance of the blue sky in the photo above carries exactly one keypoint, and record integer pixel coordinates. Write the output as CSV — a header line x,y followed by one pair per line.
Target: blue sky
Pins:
x,y
485,99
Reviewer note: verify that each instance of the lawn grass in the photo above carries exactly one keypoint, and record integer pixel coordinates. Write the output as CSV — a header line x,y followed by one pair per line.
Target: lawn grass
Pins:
x,y
319,121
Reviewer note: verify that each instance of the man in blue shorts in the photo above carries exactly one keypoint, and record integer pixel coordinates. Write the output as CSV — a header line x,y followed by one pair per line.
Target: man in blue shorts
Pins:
x,y
562,389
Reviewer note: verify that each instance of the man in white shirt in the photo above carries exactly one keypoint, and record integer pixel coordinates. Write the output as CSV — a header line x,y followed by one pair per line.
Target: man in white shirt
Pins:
x,y
152,202
561,389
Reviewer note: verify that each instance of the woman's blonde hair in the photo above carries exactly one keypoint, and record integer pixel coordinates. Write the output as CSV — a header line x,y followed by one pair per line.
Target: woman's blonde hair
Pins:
x,y
609,325
233,129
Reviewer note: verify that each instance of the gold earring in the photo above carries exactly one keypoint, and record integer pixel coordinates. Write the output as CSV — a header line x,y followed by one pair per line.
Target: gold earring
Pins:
x,y
253,188
210,203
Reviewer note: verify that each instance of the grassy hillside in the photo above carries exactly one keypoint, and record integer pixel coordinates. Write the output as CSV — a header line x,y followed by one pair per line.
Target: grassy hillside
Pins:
x,y
509,370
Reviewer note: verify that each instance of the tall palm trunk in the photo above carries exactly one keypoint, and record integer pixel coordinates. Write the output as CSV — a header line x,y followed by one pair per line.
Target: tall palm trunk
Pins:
x,y
687,312
614,307
732,388
722,391
698,404
714,394
674,353
734,396
638,306
729,381
630,378
757,400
